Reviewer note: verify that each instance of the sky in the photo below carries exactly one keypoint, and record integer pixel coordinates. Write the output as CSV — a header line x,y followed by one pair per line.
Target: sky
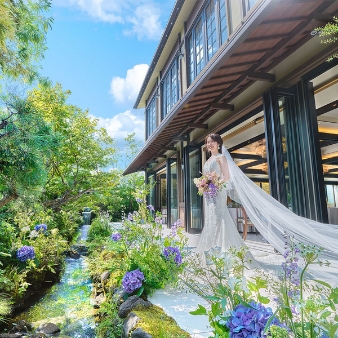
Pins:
x,y
100,50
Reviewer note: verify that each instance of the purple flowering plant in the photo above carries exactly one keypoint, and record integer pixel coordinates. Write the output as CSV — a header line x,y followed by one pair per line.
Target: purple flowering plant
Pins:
x,y
303,307
116,237
132,281
173,253
25,253
40,228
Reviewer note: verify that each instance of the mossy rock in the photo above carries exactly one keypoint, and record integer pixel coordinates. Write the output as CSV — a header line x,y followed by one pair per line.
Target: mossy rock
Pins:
x,y
157,323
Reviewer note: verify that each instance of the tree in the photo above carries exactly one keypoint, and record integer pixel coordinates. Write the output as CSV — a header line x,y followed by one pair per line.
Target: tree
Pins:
x,y
77,174
23,29
26,141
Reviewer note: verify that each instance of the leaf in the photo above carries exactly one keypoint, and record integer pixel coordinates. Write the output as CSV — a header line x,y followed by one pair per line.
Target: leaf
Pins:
x,y
323,283
263,300
201,310
140,291
215,298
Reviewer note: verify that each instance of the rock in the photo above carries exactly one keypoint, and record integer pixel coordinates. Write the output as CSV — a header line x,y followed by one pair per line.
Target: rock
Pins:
x,y
139,333
73,254
21,326
38,335
10,335
48,328
130,304
118,294
80,249
105,275
99,300
129,323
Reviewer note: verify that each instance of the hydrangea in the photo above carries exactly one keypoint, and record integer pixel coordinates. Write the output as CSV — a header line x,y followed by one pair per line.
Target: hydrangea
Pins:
x,y
250,322
174,252
116,237
25,252
41,227
132,280
150,207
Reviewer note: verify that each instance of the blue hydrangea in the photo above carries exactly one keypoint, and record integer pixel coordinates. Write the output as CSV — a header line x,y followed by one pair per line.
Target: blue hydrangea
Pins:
x,y
41,227
132,280
173,252
25,252
250,322
116,237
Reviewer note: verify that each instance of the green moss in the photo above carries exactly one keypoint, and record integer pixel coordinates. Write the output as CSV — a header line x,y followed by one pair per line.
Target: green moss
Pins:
x,y
156,322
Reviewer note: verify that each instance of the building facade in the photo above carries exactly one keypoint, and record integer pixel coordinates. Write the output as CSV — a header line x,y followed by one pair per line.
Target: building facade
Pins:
x,y
256,72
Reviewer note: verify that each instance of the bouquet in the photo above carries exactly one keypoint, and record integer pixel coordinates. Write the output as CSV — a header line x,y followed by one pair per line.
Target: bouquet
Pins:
x,y
209,185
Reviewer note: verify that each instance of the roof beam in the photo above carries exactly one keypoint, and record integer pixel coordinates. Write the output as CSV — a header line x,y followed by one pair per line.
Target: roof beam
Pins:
x,y
268,37
198,125
260,76
169,148
180,138
327,136
248,52
324,18
223,106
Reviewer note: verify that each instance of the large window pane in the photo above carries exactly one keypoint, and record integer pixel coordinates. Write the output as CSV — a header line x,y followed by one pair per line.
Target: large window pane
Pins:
x,y
211,30
195,199
199,49
223,22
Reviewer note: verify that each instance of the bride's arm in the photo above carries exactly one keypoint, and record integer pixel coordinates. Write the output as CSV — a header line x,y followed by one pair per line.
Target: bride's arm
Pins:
x,y
224,168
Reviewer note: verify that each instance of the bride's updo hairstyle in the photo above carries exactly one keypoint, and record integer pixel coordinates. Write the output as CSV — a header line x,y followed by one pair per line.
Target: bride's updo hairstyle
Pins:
x,y
218,139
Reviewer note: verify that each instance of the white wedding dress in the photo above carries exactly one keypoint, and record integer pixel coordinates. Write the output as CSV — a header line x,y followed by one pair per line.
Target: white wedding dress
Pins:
x,y
219,228
271,218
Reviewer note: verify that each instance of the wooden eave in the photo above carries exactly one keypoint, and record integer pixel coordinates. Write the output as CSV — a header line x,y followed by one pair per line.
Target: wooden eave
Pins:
x,y
271,32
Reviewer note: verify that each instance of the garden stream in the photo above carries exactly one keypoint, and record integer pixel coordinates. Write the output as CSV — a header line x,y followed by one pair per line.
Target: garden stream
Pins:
x,y
67,304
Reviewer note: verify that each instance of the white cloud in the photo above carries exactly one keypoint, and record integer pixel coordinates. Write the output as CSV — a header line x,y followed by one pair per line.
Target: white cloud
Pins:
x,y
140,17
126,89
123,124
146,23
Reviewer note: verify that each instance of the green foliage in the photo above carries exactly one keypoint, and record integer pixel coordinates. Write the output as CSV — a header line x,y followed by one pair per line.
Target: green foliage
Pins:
x,y
26,143
99,229
5,307
23,29
329,34
158,324
110,325
76,178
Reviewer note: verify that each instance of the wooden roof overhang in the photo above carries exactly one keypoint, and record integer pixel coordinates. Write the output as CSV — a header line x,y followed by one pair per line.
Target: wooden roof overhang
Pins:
x,y
272,32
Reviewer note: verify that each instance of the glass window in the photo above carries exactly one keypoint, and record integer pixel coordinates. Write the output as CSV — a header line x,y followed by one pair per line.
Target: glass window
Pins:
x,y
151,117
223,22
191,59
211,30
170,89
248,4
199,49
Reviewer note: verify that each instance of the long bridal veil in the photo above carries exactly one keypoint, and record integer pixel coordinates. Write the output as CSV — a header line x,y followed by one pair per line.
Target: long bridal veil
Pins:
x,y
272,220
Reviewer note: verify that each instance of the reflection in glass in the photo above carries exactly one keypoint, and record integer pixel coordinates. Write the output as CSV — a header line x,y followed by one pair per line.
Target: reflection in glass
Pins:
x,y
173,193
195,199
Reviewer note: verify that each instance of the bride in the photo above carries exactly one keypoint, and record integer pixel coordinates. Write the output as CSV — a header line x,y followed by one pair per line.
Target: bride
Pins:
x,y
219,228
271,218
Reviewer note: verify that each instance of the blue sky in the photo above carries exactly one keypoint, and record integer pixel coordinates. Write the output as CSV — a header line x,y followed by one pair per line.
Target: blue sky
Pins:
x,y
100,50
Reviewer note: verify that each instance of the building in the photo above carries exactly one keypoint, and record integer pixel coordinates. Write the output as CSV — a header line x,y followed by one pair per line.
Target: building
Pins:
x,y
256,72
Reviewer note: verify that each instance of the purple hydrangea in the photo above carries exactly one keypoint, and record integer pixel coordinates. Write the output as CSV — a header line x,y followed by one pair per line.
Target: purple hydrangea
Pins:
x,y
139,200
150,207
116,237
41,227
212,192
250,322
25,252
173,252
132,281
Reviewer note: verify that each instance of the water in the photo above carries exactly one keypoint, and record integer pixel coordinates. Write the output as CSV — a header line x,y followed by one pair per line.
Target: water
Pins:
x,y
67,303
